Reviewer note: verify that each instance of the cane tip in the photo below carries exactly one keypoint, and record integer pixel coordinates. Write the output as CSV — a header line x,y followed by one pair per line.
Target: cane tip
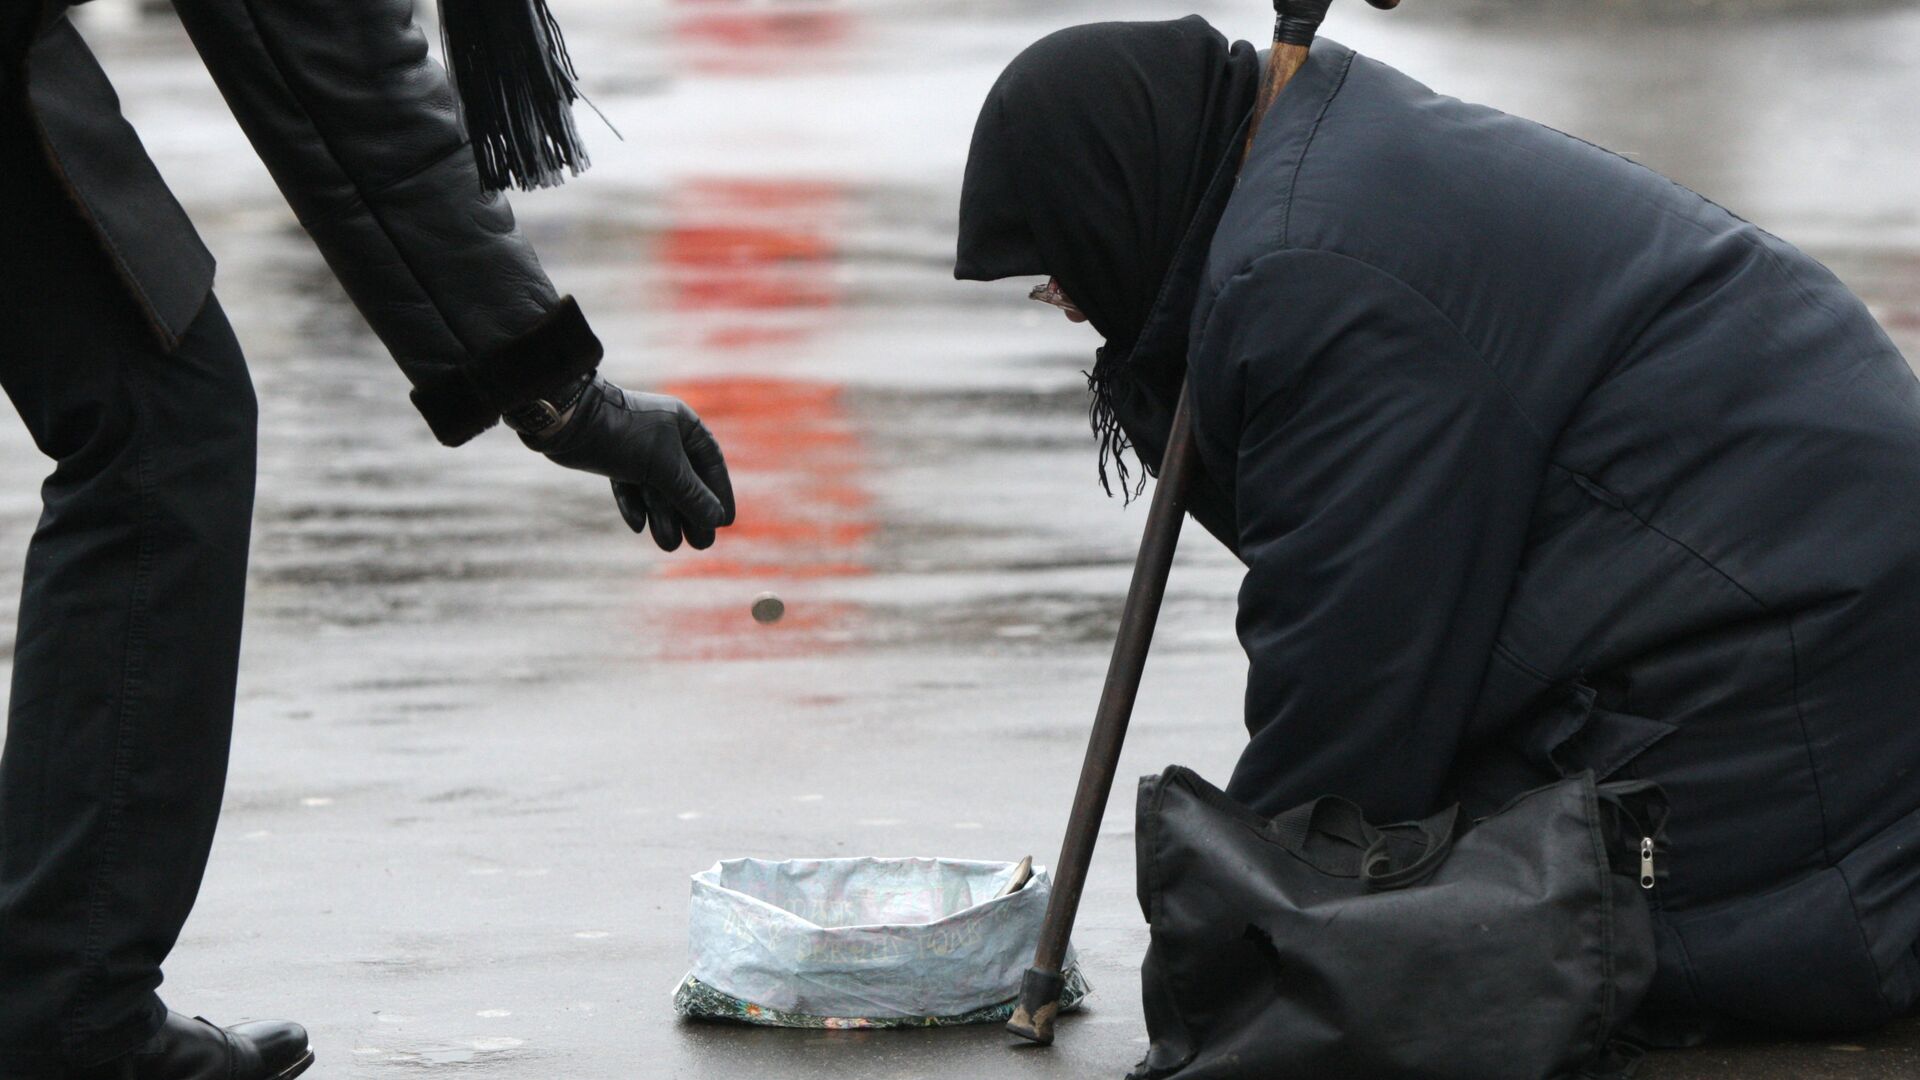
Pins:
x,y
1037,1006
1025,1026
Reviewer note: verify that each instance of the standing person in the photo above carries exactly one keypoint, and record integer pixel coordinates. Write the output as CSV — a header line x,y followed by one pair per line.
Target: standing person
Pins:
x,y
1538,463
123,367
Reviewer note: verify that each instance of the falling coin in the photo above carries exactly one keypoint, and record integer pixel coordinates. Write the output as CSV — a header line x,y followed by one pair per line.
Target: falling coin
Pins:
x,y
767,608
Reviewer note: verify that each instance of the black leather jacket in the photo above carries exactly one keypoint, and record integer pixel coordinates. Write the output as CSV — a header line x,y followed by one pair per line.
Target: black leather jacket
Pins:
x,y
357,125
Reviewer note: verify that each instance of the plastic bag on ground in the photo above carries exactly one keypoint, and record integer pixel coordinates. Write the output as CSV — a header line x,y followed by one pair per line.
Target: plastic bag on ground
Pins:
x,y
863,942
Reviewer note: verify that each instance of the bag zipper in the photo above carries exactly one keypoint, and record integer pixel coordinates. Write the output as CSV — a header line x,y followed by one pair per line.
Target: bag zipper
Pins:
x,y
1646,862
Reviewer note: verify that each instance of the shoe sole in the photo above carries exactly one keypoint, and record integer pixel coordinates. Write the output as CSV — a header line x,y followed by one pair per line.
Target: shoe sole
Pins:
x,y
296,1068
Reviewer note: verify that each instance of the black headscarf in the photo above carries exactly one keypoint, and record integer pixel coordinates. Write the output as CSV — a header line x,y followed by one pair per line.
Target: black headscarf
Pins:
x,y
1092,157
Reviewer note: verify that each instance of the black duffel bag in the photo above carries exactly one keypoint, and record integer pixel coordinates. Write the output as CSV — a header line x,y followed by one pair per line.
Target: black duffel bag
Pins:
x,y
1318,946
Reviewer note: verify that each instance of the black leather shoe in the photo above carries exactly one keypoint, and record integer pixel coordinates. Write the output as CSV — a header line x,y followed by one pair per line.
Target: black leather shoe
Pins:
x,y
191,1048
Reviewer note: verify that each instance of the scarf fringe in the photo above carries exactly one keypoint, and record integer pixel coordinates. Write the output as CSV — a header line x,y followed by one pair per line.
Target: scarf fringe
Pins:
x,y
1114,443
516,91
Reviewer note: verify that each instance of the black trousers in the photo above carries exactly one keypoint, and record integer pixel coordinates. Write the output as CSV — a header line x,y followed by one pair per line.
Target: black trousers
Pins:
x,y
129,633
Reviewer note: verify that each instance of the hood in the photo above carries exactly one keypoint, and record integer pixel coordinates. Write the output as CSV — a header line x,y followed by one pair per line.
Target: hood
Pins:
x,y
1097,158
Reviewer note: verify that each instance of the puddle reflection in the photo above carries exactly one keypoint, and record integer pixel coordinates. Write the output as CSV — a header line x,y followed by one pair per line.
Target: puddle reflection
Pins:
x,y
751,262
799,467
750,265
755,37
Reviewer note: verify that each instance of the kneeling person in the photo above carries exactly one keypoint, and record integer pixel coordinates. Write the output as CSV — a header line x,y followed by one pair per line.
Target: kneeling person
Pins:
x,y
1538,463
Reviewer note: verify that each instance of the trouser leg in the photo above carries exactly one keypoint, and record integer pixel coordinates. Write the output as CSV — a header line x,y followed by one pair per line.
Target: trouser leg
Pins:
x,y
128,640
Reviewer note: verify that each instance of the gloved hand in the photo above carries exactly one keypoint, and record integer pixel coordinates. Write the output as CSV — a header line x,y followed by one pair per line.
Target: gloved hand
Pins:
x,y
667,471
1301,19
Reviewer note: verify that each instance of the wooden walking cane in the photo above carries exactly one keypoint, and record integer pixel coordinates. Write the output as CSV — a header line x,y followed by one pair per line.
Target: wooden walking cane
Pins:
x,y
1039,1004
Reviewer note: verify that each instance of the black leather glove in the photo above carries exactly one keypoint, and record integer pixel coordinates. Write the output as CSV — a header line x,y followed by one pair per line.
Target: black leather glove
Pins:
x,y
667,471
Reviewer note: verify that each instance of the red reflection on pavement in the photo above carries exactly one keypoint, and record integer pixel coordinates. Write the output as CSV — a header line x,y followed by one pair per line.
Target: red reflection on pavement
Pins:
x,y
750,274
754,36
751,246
797,466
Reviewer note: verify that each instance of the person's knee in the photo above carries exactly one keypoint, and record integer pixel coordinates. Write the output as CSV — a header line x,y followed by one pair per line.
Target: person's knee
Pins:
x,y
235,415
204,402
198,421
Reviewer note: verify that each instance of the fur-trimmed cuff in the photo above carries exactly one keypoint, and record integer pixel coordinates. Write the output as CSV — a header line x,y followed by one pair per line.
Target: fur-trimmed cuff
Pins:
x,y
462,402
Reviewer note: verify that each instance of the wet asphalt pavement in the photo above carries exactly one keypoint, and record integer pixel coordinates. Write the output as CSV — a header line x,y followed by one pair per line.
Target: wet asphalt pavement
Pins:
x,y
485,733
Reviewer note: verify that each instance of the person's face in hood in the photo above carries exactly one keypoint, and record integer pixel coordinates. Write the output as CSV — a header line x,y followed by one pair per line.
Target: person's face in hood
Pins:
x,y
1090,158
1052,292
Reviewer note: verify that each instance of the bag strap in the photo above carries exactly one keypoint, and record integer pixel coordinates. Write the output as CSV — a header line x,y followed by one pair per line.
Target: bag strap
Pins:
x,y
1359,849
1330,816
1437,834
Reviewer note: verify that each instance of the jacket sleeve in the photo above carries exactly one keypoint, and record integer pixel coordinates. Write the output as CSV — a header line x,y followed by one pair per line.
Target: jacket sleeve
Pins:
x,y
357,125
1385,480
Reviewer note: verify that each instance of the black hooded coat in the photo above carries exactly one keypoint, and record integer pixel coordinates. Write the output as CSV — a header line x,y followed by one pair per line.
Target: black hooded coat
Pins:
x,y
1540,462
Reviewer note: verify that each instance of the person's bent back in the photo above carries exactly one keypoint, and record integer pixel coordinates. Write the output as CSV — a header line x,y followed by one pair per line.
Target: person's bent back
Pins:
x,y
1548,463
1539,463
